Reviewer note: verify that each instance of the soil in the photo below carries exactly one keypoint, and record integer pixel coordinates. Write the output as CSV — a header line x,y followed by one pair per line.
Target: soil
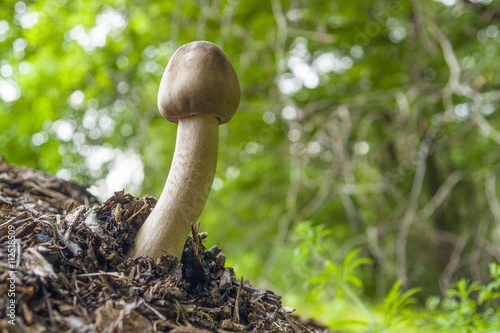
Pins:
x,y
63,268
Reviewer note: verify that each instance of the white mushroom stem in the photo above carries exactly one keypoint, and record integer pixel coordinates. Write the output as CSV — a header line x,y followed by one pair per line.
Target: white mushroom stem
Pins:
x,y
186,190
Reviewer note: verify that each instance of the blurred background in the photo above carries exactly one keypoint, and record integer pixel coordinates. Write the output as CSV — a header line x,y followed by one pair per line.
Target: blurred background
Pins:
x,y
368,125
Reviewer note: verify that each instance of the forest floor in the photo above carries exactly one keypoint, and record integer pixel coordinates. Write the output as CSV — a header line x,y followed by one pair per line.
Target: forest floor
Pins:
x,y
63,267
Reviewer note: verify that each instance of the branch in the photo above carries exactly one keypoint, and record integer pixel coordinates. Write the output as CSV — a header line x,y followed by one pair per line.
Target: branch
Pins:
x,y
443,192
176,23
227,17
485,127
294,187
453,263
410,214
492,198
450,58
201,24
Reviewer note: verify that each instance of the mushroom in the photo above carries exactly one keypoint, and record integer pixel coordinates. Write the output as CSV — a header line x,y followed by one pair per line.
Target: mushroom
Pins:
x,y
199,91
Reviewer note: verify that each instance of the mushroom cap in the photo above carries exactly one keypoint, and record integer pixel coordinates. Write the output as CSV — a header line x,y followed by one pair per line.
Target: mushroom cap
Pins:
x,y
199,79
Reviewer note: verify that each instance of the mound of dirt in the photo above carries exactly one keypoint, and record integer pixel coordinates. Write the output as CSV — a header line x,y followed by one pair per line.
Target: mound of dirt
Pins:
x,y
63,268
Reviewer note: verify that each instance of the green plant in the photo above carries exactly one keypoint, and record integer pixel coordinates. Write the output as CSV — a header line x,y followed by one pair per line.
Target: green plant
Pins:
x,y
344,277
469,307
394,306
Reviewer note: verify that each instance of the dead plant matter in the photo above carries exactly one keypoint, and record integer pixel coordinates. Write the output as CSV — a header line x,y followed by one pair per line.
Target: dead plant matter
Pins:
x,y
72,274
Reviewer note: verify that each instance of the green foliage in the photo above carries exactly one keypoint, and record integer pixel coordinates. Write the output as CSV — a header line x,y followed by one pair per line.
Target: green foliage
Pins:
x,y
469,307
391,312
342,276
394,309
313,242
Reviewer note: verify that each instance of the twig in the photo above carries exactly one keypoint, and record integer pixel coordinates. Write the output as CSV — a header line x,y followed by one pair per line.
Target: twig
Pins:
x,y
236,304
14,222
292,324
372,241
282,36
475,253
7,201
489,247
448,55
8,267
351,211
47,302
134,215
442,193
227,17
118,275
486,127
322,195
156,312
48,192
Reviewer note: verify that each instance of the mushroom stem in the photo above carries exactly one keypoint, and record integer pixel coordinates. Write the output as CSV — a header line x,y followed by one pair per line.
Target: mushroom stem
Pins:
x,y
186,189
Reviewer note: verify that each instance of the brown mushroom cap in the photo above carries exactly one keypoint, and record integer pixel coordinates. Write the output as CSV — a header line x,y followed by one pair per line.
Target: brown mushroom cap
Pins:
x,y
199,79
